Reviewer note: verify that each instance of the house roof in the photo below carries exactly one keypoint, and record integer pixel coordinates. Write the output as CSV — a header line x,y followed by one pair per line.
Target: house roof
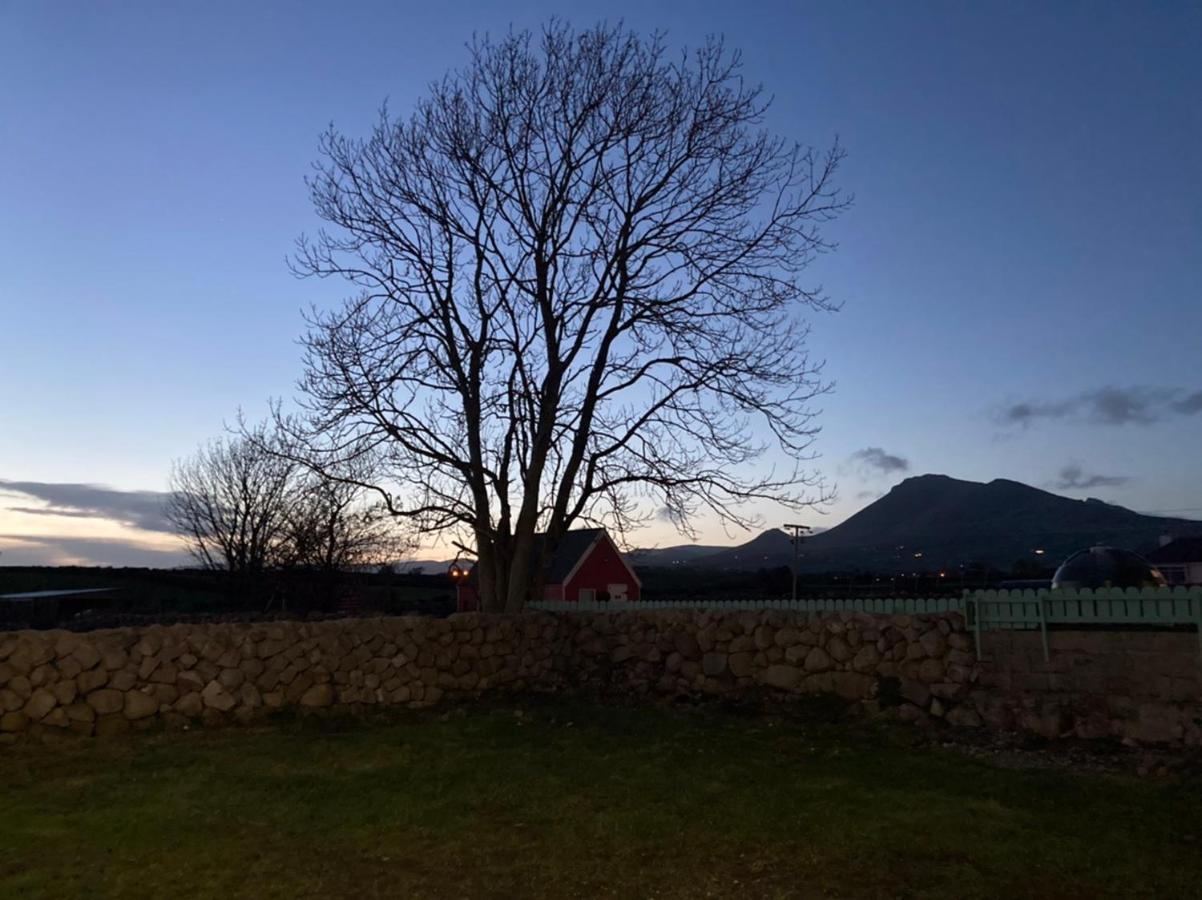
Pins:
x,y
572,547
1181,550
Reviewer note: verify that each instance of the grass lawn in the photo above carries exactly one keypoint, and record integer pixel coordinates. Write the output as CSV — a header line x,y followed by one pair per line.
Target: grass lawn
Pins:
x,y
572,800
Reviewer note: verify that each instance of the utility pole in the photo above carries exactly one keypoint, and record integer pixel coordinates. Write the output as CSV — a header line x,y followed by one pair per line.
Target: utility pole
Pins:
x,y
798,531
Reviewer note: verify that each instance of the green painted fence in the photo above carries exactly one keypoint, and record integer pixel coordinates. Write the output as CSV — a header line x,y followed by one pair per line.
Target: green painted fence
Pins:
x,y
997,609
911,605
1030,610
984,610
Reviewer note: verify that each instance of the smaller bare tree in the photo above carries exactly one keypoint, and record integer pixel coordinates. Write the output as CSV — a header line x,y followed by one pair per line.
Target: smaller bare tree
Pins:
x,y
230,502
248,504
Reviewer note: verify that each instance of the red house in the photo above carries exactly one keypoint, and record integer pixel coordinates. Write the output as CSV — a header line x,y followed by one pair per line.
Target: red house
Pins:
x,y
586,566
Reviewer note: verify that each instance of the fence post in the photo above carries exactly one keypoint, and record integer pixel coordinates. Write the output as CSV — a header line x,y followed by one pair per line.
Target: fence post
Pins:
x,y
1043,627
975,603
1197,601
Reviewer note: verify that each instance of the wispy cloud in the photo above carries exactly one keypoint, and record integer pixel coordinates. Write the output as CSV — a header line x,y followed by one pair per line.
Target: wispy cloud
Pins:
x,y
139,509
666,514
1139,405
47,511
1073,477
875,461
54,550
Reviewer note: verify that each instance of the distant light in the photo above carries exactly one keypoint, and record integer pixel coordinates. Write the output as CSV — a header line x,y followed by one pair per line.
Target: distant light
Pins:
x,y
1040,552
943,574
918,555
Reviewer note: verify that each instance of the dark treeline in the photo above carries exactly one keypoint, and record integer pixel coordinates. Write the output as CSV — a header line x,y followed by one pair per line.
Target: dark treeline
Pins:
x,y
684,583
168,594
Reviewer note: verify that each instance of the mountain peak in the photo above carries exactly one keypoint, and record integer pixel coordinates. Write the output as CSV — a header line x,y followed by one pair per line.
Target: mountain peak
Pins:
x,y
937,521
931,481
926,478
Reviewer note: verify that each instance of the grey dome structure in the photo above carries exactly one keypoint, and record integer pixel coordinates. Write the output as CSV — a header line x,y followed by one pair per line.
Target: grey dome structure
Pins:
x,y
1105,567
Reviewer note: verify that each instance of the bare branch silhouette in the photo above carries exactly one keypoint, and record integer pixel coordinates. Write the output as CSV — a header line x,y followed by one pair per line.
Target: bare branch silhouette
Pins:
x,y
577,270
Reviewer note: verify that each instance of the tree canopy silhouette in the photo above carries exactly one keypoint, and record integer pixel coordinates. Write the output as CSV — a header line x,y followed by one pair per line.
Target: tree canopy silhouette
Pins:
x,y
577,297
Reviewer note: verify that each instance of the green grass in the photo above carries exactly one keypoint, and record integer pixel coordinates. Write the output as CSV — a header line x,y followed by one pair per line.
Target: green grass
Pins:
x,y
576,801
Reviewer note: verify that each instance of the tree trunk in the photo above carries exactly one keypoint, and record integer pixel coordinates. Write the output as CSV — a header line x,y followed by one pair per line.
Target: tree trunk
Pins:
x,y
489,579
518,588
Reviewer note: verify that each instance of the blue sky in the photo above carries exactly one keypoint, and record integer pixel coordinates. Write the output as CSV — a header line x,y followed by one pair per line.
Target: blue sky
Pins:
x,y
1021,273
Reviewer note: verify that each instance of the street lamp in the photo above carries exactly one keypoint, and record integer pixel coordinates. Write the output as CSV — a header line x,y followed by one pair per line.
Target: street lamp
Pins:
x,y
798,531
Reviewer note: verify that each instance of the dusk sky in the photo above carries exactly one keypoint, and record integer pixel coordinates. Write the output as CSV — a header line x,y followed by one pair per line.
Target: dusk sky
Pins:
x,y
1021,272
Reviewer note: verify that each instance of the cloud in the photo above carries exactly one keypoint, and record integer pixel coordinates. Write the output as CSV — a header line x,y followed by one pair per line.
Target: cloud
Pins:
x,y
139,509
1188,405
875,461
1074,478
1139,405
43,511
53,550
672,517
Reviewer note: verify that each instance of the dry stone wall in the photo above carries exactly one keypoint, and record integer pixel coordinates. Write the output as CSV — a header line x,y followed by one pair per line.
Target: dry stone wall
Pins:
x,y
111,681
1141,686
922,664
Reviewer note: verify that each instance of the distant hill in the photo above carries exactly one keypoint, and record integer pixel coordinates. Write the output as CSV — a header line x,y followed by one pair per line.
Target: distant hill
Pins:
x,y
671,556
951,522
426,566
770,549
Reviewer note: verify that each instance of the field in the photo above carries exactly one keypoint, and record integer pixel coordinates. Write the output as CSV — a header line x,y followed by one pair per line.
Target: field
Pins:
x,y
569,800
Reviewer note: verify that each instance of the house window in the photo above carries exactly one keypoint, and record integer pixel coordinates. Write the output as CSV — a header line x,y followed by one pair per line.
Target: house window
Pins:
x,y
587,595
617,593
1173,574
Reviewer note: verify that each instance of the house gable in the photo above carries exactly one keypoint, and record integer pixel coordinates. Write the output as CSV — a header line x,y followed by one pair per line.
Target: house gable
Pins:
x,y
601,569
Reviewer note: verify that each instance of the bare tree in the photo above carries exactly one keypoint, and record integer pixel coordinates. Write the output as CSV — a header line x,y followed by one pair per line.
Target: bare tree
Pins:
x,y
247,504
577,269
230,502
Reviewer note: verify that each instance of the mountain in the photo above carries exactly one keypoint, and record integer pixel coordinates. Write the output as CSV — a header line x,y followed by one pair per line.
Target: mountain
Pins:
x,y
768,550
948,522
422,566
682,554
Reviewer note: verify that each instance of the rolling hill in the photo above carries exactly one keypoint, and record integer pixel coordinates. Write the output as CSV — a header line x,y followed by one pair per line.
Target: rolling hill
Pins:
x,y
951,522
682,554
